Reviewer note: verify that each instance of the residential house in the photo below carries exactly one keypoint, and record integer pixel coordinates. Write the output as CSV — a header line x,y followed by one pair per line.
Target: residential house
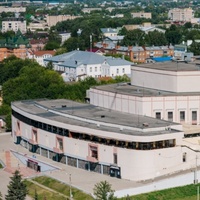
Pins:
x,y
37,25
39,56
136,53
80,64
38,44
64,37
17,45
110,32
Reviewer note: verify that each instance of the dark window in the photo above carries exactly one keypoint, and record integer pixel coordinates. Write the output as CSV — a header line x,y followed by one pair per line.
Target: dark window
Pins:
x,y
115,158
182,115
170,116
158,115
184,157
94,152
194,115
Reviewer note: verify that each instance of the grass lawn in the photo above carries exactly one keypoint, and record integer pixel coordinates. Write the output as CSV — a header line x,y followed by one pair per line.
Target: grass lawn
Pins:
x,y
62,188
42,193
188,192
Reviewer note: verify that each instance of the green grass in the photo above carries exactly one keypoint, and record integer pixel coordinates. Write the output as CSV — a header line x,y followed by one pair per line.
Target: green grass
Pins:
x,y
42,193
188,192
62,188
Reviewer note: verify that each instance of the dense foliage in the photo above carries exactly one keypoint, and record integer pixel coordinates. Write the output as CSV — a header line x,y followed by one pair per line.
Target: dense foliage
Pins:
x,y
25,79
16,188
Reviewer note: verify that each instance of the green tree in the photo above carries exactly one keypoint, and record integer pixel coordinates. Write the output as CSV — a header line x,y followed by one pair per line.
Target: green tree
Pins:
x,y
156,38
134,37
32,83
51,45
103,191
71,44
16,188
1,196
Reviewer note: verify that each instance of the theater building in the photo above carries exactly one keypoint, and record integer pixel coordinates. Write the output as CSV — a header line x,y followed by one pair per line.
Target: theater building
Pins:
x,y
96,139
168,91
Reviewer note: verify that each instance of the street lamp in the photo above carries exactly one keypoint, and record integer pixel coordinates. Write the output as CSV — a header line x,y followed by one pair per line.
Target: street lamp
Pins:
x,y
70,188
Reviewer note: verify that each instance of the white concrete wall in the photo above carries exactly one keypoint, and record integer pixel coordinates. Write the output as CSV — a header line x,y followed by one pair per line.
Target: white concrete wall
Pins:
x,y
187,81
135,164
148,105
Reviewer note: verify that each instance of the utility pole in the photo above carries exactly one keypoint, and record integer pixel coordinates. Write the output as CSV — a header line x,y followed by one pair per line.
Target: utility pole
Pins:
x,y
90,43
195,173
70,187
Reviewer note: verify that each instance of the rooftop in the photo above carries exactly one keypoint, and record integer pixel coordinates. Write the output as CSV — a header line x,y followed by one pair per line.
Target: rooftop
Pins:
x,y
86,115
172,66
132,90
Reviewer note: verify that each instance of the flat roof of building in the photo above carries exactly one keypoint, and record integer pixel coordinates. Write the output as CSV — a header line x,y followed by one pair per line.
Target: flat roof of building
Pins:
x,y
171,66
87,115
133,90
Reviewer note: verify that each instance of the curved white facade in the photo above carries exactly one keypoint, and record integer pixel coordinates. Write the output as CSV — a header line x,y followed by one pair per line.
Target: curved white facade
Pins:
x,y
109,142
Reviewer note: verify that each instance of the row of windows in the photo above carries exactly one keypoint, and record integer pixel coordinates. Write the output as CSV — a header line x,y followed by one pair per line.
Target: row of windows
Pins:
x,y
181,116
117,70
95,139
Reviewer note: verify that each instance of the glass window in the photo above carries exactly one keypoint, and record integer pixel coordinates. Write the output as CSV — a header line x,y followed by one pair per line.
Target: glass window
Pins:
x,y
115,158
94,152
90,69
170,116
117,71
194,115
158,115
182,115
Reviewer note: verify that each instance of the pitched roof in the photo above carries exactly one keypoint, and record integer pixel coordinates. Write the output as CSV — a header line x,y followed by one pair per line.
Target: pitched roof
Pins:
x,y
117,61
14,41
41,53
77,58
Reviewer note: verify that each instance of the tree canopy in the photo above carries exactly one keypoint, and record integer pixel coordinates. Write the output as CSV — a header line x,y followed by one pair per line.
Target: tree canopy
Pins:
x,y
16,188
103,191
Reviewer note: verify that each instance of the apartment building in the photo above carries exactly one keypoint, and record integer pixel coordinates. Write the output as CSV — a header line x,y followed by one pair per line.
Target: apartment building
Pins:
x,y
14,24
177,14
53,20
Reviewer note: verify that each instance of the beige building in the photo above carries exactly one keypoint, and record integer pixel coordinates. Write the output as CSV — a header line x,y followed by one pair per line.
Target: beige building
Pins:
x,y
38,25
14,24
12,9
177,14
146,15
53,20
89,10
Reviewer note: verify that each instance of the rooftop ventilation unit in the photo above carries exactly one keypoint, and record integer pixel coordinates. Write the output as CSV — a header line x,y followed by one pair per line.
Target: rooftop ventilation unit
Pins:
x,y
145,124
64,106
